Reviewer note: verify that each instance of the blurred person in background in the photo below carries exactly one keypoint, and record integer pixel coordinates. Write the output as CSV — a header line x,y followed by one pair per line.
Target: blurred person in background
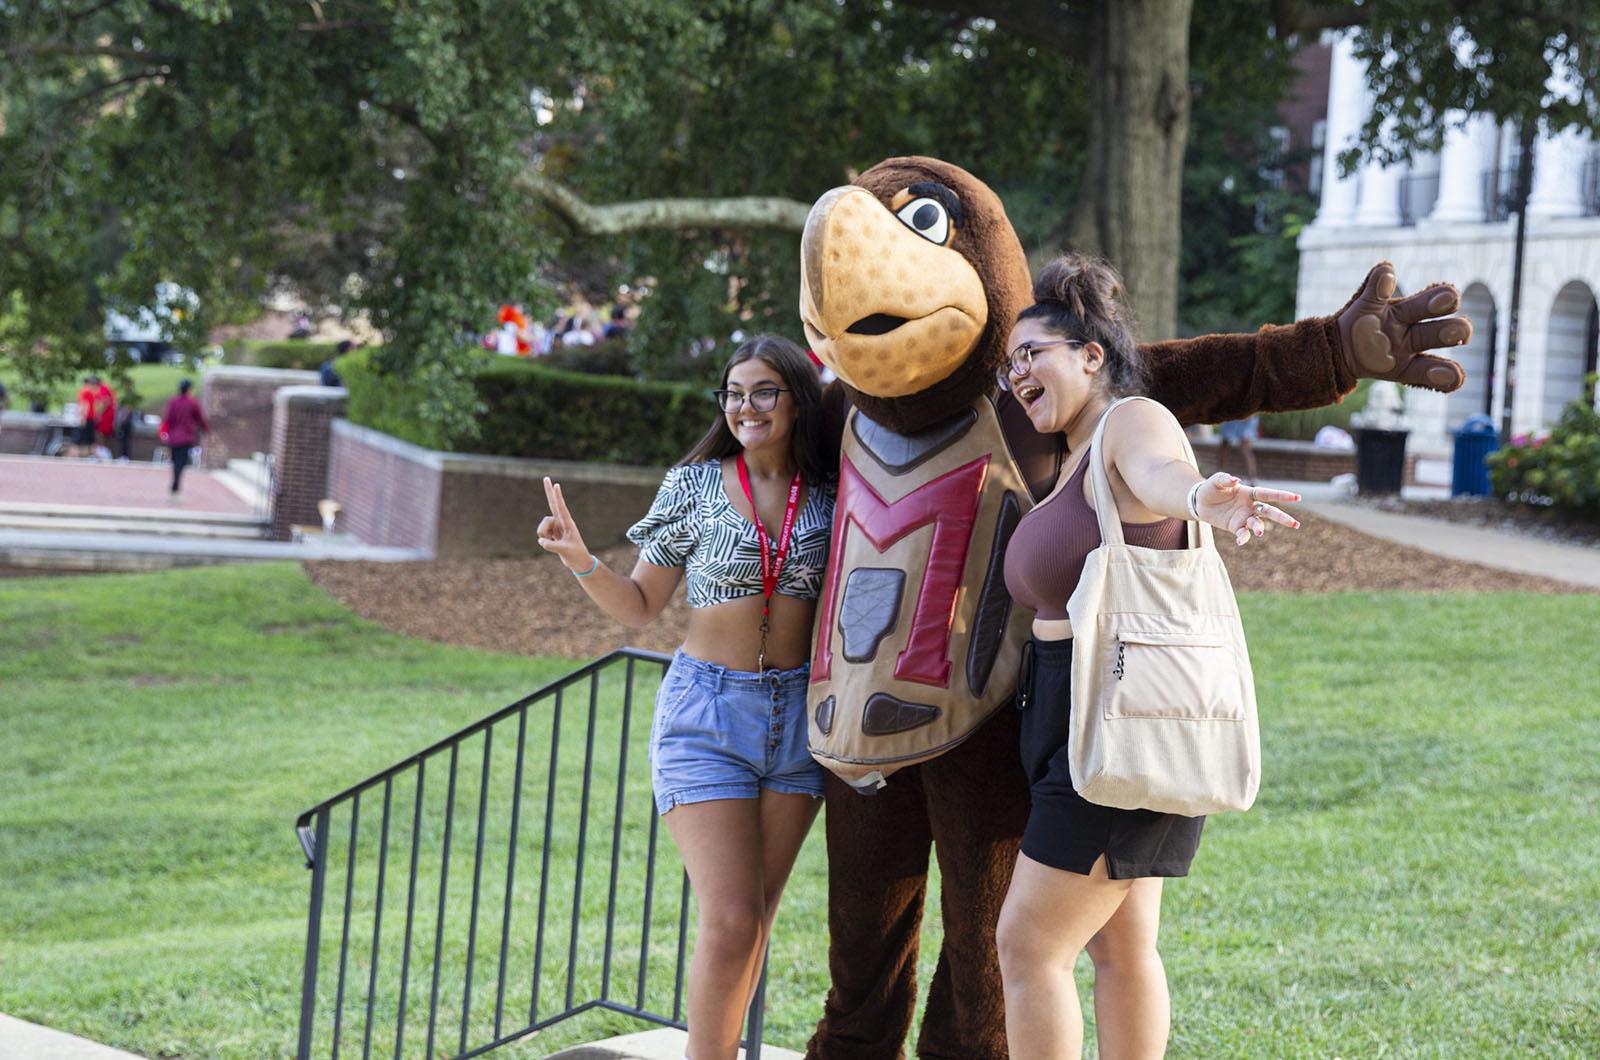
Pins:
x,y
182,424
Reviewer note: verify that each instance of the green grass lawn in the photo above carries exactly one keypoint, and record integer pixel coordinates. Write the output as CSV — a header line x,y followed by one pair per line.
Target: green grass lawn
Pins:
x,y
155,383
1421,875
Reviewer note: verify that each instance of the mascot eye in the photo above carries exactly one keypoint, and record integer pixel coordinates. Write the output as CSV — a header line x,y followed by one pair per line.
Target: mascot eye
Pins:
x,y
927,218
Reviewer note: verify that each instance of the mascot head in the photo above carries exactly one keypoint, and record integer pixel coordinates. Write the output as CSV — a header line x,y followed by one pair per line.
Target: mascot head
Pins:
x,y
911,277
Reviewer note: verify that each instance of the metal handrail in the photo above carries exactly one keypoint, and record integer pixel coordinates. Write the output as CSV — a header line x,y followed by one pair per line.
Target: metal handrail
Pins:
x,y
359,907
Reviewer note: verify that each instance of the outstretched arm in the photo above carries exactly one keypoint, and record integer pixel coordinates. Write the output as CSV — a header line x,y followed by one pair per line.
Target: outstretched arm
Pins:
x,y
1316,361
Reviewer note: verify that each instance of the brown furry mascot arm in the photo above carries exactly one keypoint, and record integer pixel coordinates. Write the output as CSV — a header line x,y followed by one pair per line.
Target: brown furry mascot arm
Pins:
x,y
1315,361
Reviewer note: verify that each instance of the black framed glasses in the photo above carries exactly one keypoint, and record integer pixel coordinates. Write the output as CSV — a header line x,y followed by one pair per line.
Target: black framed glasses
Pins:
x,y
762,398
1019,362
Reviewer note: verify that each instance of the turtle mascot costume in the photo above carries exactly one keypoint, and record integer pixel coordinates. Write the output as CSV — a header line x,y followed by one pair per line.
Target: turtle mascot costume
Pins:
x,y
911,279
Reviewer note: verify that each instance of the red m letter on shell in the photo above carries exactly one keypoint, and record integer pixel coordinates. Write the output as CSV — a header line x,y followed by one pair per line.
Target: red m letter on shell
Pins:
x,y
950,503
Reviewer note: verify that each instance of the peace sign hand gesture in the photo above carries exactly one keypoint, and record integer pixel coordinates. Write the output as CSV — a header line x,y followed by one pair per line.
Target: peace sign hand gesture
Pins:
x,y
1228,504
559,534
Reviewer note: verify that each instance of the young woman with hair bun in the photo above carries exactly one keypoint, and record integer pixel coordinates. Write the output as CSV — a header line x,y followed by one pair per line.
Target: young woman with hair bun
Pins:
x,y
746,519
1089,876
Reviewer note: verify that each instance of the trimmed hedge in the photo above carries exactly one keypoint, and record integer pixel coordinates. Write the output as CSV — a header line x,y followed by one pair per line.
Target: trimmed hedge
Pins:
x,y
1303,425
385,403
536,411
305,356
531,410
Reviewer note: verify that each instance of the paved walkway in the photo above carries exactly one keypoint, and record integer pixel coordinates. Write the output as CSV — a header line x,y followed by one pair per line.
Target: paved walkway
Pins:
x,y
20,1040
59,481
664,1044
1521,553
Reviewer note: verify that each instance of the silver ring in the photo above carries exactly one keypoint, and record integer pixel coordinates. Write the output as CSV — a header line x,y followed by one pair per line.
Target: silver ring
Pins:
x,y
1252,492
1260,507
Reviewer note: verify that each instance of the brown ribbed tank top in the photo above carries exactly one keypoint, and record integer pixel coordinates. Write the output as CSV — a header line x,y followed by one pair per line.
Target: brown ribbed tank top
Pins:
x,y
1044,559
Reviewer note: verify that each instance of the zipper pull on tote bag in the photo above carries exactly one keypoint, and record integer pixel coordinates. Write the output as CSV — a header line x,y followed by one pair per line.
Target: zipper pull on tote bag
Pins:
x,y
1163,698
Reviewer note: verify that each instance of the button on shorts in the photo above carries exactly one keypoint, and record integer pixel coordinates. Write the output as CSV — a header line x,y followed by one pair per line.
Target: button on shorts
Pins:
x,y
726,734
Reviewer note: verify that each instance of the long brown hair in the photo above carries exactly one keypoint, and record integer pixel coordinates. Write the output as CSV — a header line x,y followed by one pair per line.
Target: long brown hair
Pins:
x,y
799,375
1083,298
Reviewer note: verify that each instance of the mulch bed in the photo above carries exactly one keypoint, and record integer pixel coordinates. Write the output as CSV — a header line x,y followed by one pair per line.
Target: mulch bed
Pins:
x,y
1492,513
534,607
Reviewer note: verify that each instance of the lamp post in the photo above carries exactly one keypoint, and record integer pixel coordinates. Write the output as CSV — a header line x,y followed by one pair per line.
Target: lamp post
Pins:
x,y
1525,137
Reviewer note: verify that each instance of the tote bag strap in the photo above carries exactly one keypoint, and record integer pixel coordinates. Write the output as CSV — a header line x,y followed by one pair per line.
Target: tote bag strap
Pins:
x,y
1199,533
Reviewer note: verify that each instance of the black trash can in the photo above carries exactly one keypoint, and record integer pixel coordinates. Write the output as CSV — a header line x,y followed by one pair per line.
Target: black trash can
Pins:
x,y
1380,460
1469,472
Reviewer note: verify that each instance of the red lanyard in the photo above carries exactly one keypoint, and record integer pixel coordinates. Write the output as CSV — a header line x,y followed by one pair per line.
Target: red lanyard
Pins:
x,y
771,565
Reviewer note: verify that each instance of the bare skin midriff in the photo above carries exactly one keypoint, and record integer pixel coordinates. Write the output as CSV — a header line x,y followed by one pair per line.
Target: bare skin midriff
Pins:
x,y
729,634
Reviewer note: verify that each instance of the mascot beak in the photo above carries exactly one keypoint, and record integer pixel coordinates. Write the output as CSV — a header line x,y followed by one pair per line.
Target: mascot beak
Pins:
x,y
888,309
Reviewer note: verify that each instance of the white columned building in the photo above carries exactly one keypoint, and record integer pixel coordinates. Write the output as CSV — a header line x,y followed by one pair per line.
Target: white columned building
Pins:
x,y
1462,235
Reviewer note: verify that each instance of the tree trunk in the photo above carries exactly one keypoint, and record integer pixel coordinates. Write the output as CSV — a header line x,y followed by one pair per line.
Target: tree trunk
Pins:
x,y
1128,208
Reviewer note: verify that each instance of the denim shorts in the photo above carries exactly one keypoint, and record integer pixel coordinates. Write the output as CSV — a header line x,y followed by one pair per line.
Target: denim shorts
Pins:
x,y
726,734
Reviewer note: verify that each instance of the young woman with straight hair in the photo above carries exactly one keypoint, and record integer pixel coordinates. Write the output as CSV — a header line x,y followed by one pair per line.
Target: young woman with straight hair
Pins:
x,y
745,517
1089,876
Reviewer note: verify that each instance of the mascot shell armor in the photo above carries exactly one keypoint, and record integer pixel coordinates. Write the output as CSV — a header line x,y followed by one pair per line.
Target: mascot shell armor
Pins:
x,y
911,279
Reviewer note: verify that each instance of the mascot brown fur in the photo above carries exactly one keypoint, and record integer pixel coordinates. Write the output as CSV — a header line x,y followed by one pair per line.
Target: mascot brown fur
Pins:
x,y
911,279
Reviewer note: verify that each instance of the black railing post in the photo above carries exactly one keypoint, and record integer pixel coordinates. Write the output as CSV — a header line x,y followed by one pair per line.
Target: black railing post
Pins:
x,y
544,861
756,1024
616,831
411,910
511,869
444,887
344,935
377,919
477,879
318,856
583,836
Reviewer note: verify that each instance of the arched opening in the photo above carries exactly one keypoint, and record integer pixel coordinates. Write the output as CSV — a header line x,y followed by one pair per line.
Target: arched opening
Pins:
x,y
1476,357
1570,352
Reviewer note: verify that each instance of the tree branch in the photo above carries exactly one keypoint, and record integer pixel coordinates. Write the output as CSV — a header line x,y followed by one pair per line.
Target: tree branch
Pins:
x,y
132,79
749,212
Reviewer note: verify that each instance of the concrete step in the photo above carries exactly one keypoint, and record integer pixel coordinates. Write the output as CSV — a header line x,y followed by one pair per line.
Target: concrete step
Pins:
x,y
106,525
249,480
46,550
175,513
256,471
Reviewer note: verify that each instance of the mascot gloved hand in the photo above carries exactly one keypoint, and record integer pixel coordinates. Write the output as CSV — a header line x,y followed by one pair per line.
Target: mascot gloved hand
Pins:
x,y
911,278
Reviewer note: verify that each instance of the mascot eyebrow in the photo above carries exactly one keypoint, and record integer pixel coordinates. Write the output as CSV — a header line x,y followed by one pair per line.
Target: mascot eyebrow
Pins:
x,y
949,199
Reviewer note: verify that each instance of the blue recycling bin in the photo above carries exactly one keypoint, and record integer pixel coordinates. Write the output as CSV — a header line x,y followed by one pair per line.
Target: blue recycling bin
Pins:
x,y
1475,440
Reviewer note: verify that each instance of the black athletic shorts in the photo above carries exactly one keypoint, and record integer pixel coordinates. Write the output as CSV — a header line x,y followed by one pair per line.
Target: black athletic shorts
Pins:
x,y
83,434
1064,829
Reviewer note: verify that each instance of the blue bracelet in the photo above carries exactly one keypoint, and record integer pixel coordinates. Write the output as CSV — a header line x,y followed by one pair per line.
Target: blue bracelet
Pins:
x,y
591,570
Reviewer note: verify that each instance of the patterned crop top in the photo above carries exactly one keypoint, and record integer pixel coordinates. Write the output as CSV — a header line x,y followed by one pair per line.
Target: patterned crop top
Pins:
x,y
693,525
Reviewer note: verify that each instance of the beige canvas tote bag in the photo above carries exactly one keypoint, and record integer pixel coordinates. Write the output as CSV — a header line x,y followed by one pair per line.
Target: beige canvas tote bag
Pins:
x,y
1163,699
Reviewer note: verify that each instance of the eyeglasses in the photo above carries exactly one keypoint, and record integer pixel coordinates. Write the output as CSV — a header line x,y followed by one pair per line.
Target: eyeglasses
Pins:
x,y
1020,361
762,399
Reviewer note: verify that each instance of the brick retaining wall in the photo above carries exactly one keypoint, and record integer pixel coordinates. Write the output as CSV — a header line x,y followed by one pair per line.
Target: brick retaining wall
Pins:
x,y
238,405
301,420
456,505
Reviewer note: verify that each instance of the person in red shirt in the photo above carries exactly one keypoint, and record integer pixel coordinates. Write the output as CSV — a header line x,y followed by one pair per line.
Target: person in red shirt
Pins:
x,y
83,434
105,420
182,423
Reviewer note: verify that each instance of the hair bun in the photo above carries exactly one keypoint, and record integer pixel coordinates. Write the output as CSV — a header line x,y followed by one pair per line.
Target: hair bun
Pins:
x,y
1087,286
